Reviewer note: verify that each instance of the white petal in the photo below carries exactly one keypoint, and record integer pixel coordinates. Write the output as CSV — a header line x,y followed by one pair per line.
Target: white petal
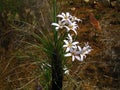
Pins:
x,y
68,29
74,23
57,28
63,14
73,58
78,58
74,46
55,24
81,57
68,49
66,72
75,31
66,42
74,43
67,14
60,16
86,52
70,38
65,45
68,54
79,48
79,20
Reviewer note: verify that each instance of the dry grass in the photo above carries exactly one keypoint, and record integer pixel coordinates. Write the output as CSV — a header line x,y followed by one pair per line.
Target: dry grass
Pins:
x,y
100,71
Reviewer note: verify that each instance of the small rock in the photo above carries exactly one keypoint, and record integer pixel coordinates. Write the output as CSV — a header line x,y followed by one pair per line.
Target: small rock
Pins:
x,y
72,9
86,1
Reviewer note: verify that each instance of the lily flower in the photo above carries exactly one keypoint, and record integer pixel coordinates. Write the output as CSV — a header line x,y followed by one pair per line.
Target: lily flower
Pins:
x,y
73,19
65,17
83,51
71,26
74,53
69,43
58,25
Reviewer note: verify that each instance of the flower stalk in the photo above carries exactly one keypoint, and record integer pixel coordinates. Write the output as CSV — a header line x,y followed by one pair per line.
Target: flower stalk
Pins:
x,y
57,71
56,63
71,48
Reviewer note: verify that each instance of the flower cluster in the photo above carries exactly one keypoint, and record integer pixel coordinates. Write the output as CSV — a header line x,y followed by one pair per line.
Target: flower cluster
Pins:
x,y
72,47
67,21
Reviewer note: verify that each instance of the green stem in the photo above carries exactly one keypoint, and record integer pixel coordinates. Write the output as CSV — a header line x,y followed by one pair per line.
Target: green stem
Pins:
x,y
55,20
57,70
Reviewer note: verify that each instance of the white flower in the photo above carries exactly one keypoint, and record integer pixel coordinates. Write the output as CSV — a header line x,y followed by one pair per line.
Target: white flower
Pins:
x,y
82,55
74,53
73,19
87,49
83,51
66,71
78,52
69,43
65,17
58,25
71,26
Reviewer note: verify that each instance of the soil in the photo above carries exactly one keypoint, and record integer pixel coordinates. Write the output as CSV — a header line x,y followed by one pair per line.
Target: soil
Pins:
x,y
100,27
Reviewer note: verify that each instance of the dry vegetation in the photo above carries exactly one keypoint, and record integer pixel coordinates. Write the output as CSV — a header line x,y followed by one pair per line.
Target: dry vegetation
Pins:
x,y
20,64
